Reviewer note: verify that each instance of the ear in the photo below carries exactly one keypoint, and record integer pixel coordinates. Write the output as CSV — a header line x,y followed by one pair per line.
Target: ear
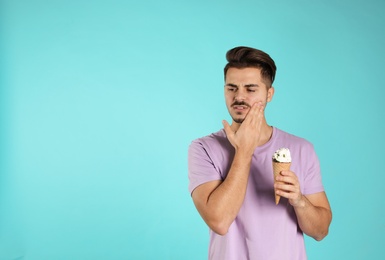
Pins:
x,y
270,94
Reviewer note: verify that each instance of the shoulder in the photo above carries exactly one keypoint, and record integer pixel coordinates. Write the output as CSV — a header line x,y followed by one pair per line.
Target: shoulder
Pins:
x,y
212,141
215,148
292,139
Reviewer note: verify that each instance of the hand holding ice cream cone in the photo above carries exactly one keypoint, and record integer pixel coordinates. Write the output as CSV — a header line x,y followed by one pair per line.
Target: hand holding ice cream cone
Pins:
x,y
281,162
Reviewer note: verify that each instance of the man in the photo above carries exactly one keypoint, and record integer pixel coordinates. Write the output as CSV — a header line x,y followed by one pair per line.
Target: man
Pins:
x,y
231,175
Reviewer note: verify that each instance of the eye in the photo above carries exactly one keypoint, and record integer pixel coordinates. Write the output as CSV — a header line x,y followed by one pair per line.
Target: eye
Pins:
x,y
231,89
251,90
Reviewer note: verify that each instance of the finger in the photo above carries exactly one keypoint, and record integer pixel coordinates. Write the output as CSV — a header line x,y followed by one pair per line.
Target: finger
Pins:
x,y
259,114
226,126
287,173
287,179
229,132
287,195
255,115
250,115
260,117
286,188
256,108
290,180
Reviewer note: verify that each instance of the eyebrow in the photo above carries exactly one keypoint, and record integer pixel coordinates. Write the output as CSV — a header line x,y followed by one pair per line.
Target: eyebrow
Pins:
x,y
246,86
251,85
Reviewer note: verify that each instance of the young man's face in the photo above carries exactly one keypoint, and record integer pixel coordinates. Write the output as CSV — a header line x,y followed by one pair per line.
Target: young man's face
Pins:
x,y
243,88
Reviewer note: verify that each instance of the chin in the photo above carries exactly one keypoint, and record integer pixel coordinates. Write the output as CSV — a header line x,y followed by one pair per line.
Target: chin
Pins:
x,y
238,120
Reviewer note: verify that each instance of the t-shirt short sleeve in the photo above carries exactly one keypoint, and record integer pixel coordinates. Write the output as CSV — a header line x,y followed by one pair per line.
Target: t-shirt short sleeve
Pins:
x,y
201,168
313,179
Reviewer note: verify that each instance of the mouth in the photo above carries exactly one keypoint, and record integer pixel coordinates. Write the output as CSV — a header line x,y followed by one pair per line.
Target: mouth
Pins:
x,y
240,108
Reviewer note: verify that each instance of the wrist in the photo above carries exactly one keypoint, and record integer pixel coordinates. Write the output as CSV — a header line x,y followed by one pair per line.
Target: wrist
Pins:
x,y
244,153
300,203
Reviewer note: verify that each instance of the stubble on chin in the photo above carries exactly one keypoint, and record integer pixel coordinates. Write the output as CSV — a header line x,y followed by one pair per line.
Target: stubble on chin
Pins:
x,y
238,120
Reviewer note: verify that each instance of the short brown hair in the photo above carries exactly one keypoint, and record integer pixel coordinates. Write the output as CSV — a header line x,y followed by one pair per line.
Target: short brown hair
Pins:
x,y
245,57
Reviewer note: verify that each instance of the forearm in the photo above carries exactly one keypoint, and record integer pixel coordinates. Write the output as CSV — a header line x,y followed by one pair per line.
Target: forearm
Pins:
x,y
314,221
225,201
219,202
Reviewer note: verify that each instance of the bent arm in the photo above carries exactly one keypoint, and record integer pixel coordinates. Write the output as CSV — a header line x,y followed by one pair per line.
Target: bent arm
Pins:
x,y
314,215
313,211
218,202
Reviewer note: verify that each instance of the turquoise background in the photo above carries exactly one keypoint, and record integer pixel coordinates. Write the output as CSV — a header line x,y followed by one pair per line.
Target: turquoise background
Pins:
x,y
99,101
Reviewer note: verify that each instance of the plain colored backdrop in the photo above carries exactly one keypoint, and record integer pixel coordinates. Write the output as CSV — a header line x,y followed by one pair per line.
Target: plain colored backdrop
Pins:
x,y
99,101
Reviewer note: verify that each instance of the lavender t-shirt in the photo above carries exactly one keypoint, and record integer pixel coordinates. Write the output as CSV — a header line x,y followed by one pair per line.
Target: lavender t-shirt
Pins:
x,y
262,230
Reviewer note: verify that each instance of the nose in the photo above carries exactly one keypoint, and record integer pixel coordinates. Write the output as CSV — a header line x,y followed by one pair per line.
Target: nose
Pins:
x,y
239,96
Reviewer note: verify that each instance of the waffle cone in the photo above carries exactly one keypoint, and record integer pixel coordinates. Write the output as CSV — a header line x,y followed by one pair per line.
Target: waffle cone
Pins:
x,y
277,168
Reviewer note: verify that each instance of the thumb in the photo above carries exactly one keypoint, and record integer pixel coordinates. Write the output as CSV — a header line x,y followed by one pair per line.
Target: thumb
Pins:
x,y
229,132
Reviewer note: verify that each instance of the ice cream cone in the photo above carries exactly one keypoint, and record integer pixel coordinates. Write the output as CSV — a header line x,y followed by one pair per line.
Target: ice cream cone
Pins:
x,y
277,168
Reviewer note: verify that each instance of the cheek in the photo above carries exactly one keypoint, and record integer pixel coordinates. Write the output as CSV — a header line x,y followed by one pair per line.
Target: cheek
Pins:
x,y
227,100
229,97
264,97
260,98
